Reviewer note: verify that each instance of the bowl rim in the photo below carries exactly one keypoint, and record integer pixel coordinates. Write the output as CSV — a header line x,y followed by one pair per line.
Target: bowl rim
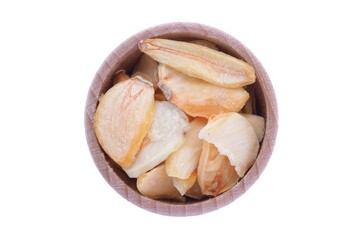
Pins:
x,y
116,59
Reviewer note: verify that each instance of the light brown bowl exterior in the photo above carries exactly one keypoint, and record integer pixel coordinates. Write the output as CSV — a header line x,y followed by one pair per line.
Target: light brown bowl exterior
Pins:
x,y
124,57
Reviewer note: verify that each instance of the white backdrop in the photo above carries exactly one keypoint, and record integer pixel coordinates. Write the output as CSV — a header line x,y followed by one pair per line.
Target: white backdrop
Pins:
x,y
49,185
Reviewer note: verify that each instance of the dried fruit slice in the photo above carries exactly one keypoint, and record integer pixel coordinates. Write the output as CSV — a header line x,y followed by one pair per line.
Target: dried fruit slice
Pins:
x,y
234,137
204,43
184,161
215,173
197,97
120,76
156,184
195,191
123,118
258,123
200,62
148,69
166,135
182,185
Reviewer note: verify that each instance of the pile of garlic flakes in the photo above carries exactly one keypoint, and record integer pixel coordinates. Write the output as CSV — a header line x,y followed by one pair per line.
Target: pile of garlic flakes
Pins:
x,y
182,123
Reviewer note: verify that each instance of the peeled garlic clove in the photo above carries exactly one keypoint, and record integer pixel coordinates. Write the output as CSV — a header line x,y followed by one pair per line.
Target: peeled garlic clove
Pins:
x,y
156,184
148,69
123,118
195,191
120,76
197,97
184,161
166,135
182,185
258,123
200,62
204,43
234,137
215,173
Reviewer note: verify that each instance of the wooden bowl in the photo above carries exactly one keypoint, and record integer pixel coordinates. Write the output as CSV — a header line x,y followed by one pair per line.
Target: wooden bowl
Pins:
x,y
125,56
